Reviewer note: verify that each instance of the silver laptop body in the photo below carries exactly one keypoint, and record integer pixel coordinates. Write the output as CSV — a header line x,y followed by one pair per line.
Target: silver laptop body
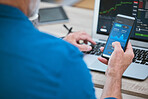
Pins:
x,y
135,70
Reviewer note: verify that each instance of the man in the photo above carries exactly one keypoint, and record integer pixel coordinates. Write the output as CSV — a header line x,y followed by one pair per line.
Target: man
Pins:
x,y
34,65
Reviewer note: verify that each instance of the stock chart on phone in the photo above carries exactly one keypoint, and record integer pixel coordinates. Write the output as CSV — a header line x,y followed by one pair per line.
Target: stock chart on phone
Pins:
x,y
135,8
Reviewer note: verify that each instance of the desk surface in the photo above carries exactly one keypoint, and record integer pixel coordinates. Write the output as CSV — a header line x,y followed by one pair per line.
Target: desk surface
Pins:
x,y
81,20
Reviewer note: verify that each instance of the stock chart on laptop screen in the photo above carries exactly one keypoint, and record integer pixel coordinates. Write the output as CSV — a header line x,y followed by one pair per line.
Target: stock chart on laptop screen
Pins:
x,y
135,8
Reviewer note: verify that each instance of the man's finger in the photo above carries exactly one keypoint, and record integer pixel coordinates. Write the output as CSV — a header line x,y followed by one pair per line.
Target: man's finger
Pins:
x,y
86,37
84,33
117,46
84,47
129,48
103,60
117,49
102,49
129,51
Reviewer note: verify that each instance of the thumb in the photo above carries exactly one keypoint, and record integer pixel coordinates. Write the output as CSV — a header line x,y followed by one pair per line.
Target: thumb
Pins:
x,y
117,48
84,47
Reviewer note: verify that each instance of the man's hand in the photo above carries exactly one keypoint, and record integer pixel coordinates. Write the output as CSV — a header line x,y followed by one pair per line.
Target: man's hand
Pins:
x,y
74,39
117,64
119,60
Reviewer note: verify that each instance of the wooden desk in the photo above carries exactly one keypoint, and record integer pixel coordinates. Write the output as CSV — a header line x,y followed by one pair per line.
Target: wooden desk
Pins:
x,y
88,4
81,19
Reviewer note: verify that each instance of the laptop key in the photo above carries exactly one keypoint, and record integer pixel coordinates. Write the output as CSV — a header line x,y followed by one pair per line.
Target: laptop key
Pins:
x,y
143,62
99,53
92,52
95,49
134,59
141,56
138,61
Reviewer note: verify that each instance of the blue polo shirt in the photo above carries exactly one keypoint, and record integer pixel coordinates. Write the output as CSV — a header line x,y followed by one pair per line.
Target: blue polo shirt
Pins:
x,y
35,65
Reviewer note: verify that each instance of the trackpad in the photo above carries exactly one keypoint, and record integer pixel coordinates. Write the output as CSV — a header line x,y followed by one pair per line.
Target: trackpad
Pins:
x,y
97,65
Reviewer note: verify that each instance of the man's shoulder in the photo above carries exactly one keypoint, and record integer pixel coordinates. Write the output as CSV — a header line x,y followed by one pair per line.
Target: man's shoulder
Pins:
x,y
56,44
47,47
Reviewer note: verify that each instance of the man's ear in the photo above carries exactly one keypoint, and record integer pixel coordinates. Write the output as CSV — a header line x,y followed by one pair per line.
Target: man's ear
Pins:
x,y
33,7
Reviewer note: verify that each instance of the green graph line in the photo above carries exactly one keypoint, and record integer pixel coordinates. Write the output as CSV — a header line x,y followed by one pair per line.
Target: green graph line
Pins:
x,y
138,34
114,8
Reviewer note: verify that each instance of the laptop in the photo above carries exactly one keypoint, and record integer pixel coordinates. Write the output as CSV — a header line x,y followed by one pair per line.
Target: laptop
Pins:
x,y
105,12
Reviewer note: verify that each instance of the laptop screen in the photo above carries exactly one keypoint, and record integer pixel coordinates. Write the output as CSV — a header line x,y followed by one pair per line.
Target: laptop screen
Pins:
x,y
135,8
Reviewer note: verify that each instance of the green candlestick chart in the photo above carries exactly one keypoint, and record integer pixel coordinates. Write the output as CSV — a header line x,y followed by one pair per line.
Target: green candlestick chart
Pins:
x,y
115,7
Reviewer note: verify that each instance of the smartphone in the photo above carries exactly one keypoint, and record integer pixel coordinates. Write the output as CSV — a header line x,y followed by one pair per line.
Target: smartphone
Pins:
x,y
121,31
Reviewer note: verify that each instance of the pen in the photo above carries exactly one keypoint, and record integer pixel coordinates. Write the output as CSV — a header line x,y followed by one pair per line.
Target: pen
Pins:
x,y
69,30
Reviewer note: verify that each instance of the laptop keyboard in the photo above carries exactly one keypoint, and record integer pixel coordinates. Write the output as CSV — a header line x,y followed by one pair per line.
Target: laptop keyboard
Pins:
x,y
141,56
96,49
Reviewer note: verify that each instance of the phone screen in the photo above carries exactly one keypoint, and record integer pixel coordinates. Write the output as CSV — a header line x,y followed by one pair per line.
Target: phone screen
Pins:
x,y
120,32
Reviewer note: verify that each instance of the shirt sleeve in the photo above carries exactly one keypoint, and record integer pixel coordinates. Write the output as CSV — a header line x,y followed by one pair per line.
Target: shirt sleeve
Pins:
x,y
76,82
